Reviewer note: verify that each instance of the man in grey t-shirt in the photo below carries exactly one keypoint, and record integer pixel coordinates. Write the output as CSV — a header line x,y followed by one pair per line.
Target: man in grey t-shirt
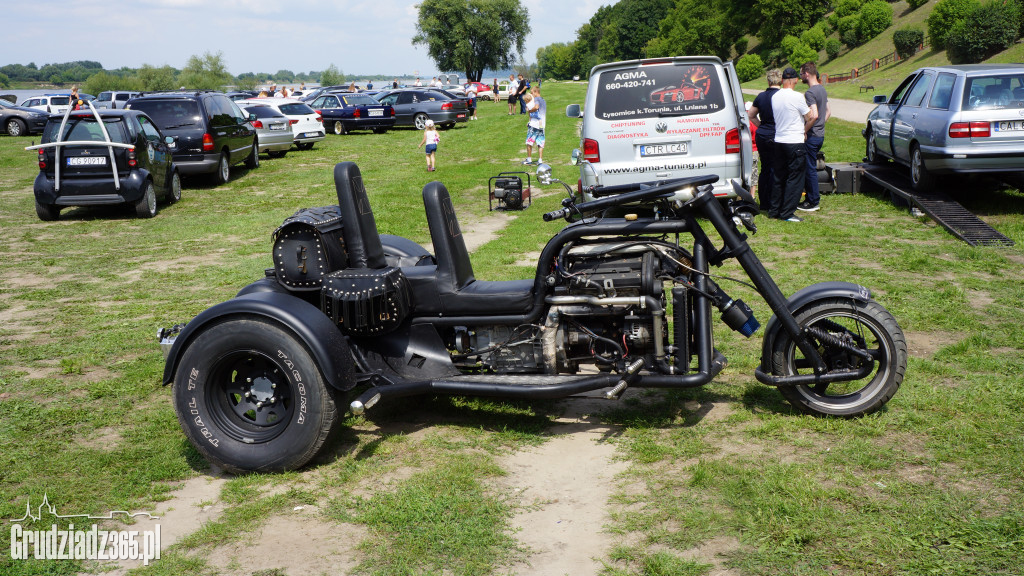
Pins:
x,y
817,100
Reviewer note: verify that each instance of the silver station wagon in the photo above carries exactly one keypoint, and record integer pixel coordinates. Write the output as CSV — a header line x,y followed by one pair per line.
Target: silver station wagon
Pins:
x,y
952,120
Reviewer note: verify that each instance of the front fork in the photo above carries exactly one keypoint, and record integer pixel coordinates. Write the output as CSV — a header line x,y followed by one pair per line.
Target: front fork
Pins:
x,y
736,246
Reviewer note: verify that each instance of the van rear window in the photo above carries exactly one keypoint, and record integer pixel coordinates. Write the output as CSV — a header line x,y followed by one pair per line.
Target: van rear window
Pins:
x,y
659,90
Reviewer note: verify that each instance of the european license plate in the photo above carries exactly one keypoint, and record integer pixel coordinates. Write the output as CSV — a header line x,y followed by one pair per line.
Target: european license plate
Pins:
x,y
310,135
281,126
1010,126
461,116
662,149
87,161
377,112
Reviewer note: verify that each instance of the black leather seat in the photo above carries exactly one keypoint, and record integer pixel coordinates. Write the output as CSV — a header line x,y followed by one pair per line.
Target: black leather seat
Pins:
x,y
458,291
360,229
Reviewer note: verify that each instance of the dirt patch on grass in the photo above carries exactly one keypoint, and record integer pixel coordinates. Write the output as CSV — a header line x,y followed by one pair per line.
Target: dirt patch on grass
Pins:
x,y
715,552
926,344
564,487
297,544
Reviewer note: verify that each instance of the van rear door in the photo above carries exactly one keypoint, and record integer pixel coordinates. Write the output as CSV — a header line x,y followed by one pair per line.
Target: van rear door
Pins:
x,y
658,119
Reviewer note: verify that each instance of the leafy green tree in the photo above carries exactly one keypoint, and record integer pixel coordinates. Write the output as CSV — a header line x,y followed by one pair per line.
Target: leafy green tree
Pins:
x,y
800,54
696,27
284,76
246,81
741,45
557,61
771,20
875,17
990,28
848,27
472,35
154,79
814,37
906,40
915,4
206,72
332,76
749,67
945,14
5,82
832,48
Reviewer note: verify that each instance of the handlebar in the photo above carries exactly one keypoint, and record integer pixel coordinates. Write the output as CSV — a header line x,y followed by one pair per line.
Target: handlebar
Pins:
x,y
636,192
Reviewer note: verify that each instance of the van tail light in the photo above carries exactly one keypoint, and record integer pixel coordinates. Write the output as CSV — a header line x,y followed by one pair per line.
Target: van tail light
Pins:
x,y
357,113
732,141
446,106
591,151
207,142
42,160
131,157
257,124
970,130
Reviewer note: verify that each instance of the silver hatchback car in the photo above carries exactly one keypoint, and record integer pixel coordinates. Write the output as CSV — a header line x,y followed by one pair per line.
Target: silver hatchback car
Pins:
x,y
952,120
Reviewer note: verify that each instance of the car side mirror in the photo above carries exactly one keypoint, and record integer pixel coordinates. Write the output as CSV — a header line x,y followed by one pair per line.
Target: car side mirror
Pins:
x,y
573,111
879,99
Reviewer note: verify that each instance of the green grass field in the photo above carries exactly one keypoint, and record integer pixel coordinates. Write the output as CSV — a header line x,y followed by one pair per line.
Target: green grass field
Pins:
x,y
930,485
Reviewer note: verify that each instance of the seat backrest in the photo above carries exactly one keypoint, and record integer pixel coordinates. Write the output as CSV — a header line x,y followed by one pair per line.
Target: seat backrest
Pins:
x,y
360,229
454,270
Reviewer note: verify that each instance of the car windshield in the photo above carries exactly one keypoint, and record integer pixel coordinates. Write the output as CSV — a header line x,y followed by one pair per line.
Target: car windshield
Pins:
x,y
993,92
663,90
83,128
296,109
170,113
359,100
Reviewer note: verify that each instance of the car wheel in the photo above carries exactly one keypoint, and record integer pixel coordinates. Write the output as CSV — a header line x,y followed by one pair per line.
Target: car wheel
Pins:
x,y
339,128
871,151
47,212
249,397
420,121
252,162
174,192
919,175
223,172
146,206
277,153
15,127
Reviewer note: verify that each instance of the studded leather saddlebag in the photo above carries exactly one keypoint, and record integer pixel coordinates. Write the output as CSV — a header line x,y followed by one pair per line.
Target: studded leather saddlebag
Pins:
x,y
308,246
366,301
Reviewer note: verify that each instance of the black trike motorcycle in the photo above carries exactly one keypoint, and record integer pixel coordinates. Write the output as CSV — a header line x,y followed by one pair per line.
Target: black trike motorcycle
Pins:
x,y
617,301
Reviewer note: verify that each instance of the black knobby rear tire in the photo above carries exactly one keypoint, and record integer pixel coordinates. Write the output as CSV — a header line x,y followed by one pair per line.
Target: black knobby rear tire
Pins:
x,y
249,397
862,324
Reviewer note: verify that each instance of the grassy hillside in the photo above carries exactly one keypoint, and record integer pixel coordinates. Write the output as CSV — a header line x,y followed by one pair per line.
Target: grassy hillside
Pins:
x,y
886,78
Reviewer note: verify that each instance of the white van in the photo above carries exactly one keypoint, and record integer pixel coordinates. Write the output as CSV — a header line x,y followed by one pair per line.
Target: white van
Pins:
x,y
662,118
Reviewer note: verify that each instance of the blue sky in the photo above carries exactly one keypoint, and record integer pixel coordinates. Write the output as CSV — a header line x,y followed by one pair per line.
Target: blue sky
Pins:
x,y
357,36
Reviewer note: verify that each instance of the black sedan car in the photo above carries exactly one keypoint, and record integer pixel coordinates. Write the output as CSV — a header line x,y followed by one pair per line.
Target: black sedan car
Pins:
x,y
19,121
81,167
414,106
347,111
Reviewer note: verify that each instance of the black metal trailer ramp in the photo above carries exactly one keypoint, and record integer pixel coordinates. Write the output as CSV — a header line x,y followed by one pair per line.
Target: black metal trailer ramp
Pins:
x,y
938,206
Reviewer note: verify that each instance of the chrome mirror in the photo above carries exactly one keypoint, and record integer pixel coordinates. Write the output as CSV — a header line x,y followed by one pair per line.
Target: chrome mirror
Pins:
x,y
544,174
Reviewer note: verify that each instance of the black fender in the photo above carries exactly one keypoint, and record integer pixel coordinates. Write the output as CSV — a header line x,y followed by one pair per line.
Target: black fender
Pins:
x,y
802,298
323,339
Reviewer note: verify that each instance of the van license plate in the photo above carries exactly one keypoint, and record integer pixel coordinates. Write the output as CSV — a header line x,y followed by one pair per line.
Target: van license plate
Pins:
x,y
87,161
647,150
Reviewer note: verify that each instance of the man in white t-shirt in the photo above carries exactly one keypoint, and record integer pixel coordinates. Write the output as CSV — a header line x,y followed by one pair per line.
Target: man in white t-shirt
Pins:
x,y
793,118
513,88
